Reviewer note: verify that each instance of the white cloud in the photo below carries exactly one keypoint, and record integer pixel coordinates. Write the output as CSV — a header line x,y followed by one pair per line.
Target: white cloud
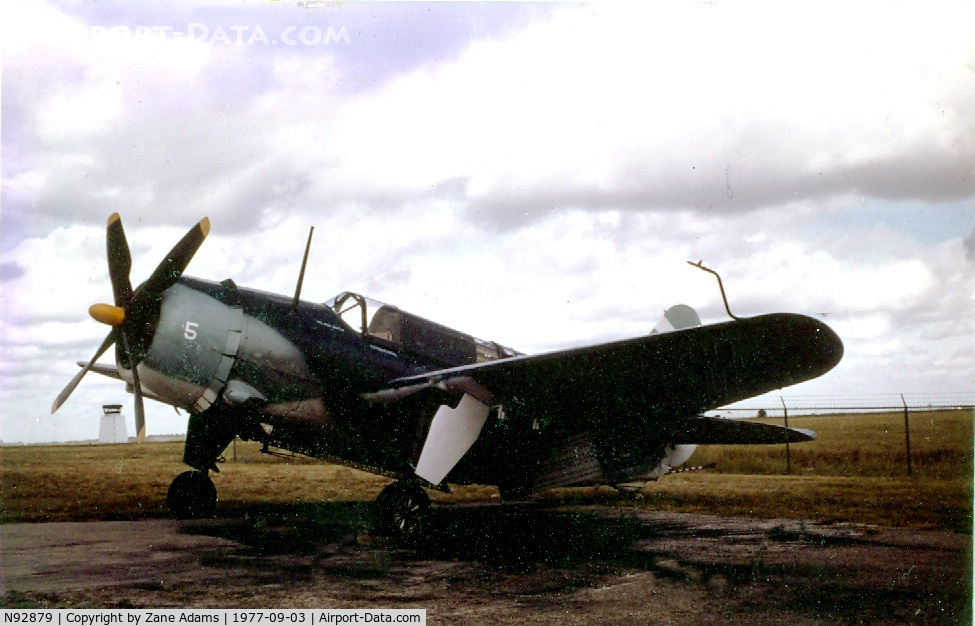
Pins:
x,y
84,112
541,117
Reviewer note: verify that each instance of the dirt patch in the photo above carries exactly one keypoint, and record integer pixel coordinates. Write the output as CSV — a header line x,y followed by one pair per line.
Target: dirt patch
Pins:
x,y
512,564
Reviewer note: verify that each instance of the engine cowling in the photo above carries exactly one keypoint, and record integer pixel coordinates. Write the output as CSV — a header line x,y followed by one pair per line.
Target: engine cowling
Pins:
x,y
193,349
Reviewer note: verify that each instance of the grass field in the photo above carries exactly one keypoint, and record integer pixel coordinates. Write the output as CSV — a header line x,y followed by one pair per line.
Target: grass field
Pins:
x,y
854,472
869,444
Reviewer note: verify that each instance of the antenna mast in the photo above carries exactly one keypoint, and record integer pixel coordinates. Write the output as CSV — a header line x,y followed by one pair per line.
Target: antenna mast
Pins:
x,y
700,265
301,274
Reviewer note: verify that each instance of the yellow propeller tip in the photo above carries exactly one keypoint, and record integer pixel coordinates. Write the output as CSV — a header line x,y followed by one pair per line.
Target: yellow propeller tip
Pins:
x,y
114,217
107,314
205,226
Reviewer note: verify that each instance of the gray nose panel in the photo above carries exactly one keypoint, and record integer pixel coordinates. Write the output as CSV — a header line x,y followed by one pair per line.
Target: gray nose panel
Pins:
x,y
196,342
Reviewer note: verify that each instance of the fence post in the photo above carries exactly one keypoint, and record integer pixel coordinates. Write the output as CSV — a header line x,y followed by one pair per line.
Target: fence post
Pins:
x,y
907,436
788,458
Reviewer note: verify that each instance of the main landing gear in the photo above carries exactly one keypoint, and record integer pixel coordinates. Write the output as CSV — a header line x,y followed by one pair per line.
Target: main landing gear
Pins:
x,y
192,496
401,509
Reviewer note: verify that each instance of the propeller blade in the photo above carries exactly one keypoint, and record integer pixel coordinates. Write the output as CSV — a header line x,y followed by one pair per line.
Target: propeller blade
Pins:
x,y
133,311
171,268
119,260
140,411
112,337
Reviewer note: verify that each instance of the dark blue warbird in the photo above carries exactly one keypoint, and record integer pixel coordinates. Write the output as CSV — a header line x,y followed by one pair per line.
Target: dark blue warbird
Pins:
x,y
359,382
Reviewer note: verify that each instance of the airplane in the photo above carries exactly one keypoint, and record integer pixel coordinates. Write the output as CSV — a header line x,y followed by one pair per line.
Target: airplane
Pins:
x,y
366,384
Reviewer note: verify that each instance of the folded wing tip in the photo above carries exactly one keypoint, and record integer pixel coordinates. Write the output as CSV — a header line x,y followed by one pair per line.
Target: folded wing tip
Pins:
x,y
807,435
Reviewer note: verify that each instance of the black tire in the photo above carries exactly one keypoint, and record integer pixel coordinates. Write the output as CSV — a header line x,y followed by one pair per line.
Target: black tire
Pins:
x,y
192,496
401,510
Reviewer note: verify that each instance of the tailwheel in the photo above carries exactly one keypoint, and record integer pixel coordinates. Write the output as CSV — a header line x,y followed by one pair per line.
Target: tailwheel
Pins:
x,y
401,509
192,496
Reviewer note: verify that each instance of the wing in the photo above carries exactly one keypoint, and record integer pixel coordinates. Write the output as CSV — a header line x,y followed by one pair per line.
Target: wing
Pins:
x,y
639,387
703,430
682,372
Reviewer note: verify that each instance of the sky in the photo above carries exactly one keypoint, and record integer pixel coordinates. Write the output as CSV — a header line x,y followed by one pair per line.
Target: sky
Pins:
x,y
536,174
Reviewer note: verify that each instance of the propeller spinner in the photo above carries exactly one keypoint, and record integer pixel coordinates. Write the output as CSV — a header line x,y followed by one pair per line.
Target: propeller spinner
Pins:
x,y
135,311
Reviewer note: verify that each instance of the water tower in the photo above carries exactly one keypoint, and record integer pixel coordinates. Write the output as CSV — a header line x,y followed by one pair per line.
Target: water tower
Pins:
x,y
112,429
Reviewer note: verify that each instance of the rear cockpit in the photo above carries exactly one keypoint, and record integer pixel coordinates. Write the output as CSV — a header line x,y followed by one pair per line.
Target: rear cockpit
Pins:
x,y
386,325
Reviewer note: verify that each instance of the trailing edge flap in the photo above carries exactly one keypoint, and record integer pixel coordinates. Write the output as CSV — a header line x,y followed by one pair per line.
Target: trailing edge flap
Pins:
x,y
105,370
452,433
703,430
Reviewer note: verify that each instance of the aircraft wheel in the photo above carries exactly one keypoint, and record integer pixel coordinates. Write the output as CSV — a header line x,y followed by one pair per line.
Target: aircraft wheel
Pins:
x,y
401,509
192,496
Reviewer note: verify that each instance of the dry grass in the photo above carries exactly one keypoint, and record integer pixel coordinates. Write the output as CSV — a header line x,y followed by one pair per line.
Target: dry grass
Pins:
x,y
106,482
855,472
860,445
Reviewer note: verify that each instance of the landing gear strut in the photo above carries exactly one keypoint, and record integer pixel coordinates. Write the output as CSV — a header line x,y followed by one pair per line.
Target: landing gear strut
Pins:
x,y
400,510
192,496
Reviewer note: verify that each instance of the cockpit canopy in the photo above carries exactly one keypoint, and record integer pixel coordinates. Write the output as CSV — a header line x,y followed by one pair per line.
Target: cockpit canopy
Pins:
x,y
385,324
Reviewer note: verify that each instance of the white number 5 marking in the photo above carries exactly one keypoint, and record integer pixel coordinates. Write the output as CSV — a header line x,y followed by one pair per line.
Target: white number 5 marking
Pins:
x,y
189,331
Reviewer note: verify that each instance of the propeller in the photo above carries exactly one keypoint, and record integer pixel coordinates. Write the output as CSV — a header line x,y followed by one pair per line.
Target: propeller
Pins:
x,y
134,314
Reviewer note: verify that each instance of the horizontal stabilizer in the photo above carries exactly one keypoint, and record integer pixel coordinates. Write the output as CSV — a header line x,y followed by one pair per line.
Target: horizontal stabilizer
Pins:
x,y
703,430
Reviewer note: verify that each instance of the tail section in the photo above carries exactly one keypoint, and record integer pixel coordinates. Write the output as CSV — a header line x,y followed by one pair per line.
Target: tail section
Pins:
x,y
677,317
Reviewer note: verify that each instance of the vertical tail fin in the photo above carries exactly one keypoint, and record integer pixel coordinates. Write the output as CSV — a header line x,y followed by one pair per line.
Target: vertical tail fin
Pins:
x,y
677,317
